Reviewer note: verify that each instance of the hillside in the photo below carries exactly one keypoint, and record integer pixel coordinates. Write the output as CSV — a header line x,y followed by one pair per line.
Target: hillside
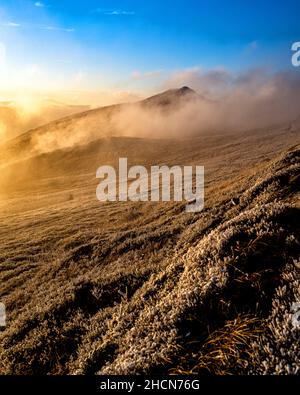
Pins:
x,y
149,195
84,127
16,118
144,287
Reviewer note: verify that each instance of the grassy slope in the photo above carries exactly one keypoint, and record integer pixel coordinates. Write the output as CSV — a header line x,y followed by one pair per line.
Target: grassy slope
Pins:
x,y
140,287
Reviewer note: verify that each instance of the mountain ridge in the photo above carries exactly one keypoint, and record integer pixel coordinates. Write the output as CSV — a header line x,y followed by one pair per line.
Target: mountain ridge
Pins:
x,y
176,93
99,122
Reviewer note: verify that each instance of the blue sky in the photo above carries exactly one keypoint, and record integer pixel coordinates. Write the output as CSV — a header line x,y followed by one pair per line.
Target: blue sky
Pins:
x,y
135,46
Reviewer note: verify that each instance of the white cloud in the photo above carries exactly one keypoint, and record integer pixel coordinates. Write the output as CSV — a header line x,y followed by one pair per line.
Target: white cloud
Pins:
x,y
115,12
212,83
233,99
43,27
58,29
120,12
11,24
39,4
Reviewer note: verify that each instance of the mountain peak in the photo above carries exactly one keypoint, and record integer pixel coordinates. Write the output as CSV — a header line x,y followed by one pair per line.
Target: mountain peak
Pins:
x,y
170,97
185,89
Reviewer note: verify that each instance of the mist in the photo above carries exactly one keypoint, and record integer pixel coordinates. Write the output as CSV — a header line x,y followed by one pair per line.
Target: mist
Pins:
x,y
224,102
17,118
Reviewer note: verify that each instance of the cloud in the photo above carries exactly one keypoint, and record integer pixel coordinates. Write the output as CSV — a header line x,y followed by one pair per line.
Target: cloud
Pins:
x,y
114,12
43,27
24,113
58,29
39,4
228,101
253,99
241,100
11,24
120,12
211,83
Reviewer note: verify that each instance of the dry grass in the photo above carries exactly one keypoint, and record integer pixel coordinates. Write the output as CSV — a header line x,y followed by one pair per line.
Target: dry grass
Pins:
x,y
139,288
224,349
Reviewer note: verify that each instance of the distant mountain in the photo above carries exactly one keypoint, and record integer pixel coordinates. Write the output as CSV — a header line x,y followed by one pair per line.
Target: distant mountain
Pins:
x,y
123,120
172,97
87,125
